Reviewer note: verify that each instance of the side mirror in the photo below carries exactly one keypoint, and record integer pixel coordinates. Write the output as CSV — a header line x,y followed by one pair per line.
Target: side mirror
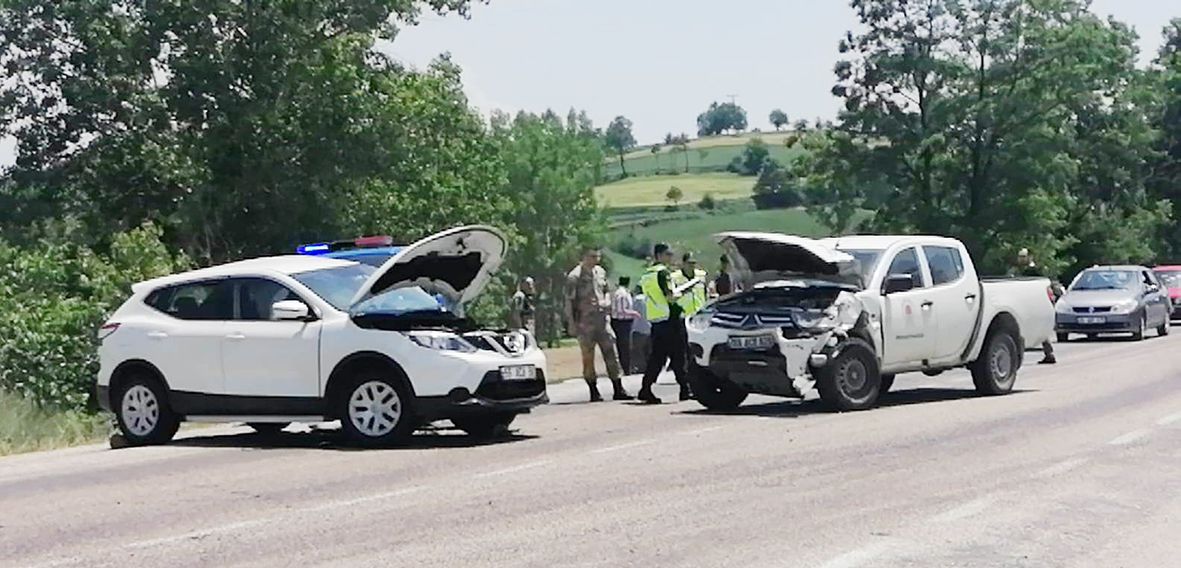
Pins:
x,y
896,283
290,310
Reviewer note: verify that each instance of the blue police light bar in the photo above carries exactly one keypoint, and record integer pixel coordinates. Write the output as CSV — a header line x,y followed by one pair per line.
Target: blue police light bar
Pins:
x,y
315,248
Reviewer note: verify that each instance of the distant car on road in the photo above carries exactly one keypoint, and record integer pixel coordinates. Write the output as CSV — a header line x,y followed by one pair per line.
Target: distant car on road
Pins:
x,y
1170,279
1113,299
305,338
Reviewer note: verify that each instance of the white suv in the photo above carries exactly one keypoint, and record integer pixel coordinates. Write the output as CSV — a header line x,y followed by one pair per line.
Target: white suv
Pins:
x,y
284,339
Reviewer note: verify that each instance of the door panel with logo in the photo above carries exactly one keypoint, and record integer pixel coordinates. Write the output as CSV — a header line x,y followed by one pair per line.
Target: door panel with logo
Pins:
x,y
910,326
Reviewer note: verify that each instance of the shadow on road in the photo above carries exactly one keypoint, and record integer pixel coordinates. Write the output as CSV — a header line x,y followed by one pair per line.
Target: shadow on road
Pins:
x,y
334,439
796,408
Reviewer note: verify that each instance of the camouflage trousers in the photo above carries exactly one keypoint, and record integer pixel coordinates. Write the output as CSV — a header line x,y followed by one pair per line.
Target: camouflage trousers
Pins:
x,y
592,332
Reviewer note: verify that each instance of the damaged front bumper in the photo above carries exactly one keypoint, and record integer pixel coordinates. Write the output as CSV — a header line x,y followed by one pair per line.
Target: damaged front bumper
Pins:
x,y
785,368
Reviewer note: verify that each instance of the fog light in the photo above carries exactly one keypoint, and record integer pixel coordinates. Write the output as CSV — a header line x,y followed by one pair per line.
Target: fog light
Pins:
x,y
459,394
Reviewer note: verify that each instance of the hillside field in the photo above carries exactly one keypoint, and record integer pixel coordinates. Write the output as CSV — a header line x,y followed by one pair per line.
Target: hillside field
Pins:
x,y
705,155
651,190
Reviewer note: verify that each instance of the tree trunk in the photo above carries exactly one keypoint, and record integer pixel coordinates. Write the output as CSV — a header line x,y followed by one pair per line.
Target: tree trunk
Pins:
x,y
621,166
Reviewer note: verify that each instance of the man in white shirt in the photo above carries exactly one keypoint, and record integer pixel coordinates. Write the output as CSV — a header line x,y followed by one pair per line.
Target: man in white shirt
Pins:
x,y
622,317
641,332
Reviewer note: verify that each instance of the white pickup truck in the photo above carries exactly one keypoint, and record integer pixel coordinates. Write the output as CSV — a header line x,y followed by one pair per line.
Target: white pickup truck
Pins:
x,y
845,315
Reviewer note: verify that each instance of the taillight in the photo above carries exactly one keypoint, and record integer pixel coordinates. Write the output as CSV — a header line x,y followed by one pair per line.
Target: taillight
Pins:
x,y
106,330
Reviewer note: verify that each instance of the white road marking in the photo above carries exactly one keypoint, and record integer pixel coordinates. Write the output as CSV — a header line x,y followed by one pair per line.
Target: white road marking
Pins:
x,y
196,535
358,500
860,556
702,430
513,469
622,446
1061,468
1165,421
966,510
1130,437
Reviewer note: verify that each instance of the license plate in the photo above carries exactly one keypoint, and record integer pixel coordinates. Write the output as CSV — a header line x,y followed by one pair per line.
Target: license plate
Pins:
x,y
1092,320
518,372
752,342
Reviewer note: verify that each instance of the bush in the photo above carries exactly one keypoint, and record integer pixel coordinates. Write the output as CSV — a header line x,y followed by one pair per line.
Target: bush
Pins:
x,y
633,246
776,189
26,427
708,202
54,297
755,155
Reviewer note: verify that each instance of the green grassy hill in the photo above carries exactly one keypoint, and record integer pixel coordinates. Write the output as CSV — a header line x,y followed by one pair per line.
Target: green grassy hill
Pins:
x,y
650,190
710,154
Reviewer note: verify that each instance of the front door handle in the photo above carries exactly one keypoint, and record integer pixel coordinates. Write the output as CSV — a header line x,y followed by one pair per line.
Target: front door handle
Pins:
x,y
927,305
157,334
970,297
236,336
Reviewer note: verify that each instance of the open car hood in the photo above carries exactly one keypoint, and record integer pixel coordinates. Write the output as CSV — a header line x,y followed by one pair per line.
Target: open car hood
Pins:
x,y
456,263
763,257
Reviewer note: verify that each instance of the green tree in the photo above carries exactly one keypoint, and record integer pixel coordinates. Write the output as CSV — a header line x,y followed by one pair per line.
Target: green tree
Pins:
x,y
551,173
655,149
754,156
235,133
778,119
720,118
776,188
1165,182
979,113
675,194
619,139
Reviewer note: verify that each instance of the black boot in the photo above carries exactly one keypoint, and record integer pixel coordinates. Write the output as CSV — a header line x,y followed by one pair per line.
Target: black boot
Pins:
x,y
594,392
620,392
647,397
686,394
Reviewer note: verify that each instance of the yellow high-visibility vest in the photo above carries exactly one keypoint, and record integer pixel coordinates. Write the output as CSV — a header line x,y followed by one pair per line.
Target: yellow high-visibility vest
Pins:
x,y
692,300
655,304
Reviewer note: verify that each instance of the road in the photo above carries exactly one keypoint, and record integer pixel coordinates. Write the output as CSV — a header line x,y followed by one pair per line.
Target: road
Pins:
x,y
1077,468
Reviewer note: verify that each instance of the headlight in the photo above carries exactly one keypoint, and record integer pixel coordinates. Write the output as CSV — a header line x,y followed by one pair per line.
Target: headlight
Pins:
x,y
1063,307
700,320
815,320
442,341
515,342
1125,307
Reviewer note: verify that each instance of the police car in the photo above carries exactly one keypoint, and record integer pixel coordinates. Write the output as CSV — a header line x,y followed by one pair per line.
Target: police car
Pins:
x,y
338,332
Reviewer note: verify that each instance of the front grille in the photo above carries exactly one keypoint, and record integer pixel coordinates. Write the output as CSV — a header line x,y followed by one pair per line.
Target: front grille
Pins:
x,y
494,387
490,341
1092,310
749,321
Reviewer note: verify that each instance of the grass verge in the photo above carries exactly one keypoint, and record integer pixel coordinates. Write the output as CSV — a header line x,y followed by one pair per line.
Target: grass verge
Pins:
x,y
25,427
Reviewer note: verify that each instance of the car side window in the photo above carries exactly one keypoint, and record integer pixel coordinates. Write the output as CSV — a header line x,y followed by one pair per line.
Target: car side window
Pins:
x,y
945,264
907,262
255,297
196,301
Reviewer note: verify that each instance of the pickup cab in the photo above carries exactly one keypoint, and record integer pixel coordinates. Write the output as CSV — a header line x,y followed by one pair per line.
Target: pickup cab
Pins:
x,y
846,315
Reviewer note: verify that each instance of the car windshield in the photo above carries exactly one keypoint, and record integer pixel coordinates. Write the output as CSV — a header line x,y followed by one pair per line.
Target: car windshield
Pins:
x,y
1106,280
1170,278
338,285
866,261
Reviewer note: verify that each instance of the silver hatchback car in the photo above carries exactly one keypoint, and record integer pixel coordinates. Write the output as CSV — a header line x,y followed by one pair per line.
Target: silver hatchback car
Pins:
x,y
1113,299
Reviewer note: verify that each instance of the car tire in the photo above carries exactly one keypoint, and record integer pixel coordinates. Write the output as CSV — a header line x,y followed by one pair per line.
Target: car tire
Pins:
x,y
485,426
376,409
1163,330
142,411
1141,331
851,380
887,383
714,392
1063,338
995,371
268,428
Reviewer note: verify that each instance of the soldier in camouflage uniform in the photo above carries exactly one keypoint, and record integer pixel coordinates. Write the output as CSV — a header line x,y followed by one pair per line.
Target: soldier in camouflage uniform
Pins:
x,y
588,308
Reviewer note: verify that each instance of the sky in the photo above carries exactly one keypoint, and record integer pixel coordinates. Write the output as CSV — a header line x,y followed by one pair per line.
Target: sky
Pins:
x,y
661,62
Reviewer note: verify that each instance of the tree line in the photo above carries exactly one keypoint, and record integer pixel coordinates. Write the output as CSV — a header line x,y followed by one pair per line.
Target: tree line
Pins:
x,y
158,136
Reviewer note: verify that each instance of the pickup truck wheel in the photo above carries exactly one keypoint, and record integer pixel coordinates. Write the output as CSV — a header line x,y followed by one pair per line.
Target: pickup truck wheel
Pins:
x,y
1141,329
887,383
142,411
1063,337
996,369
851,380
376,410
490,426
714,392
268,428
1163,330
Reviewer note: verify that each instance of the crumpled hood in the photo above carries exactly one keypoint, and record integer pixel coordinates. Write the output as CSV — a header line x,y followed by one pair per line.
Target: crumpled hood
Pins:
x,y
762,257
457,263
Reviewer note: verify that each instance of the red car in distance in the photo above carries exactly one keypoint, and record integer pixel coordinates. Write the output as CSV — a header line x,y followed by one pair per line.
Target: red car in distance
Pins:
x,y
1170,278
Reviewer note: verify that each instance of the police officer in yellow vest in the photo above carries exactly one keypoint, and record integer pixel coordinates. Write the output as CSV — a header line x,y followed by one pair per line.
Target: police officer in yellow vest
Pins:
x,y
664,311
692,300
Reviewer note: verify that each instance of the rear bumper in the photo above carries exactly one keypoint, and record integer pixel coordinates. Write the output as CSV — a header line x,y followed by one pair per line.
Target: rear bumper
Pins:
x,y
1069,323
494,396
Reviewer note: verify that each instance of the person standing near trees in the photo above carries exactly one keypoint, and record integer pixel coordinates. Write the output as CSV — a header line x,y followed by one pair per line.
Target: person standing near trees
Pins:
x,y
1025,266
522,307
622,319
588,305
723,283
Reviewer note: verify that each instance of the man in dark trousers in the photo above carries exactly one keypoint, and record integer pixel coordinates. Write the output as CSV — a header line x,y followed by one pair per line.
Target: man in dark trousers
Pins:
x,y
664,314
622,317
1025,266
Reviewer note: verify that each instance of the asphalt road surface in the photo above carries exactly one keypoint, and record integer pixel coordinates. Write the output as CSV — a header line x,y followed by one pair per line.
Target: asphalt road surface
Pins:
x,y
1080,467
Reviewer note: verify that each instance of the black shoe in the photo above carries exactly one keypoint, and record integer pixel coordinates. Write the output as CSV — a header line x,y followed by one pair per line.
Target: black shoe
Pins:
x,y
685,394
622,395
648,398
594,394
1048,361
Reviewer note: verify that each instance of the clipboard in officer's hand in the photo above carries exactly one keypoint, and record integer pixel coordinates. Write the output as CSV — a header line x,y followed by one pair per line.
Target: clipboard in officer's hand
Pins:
x,y
680,290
